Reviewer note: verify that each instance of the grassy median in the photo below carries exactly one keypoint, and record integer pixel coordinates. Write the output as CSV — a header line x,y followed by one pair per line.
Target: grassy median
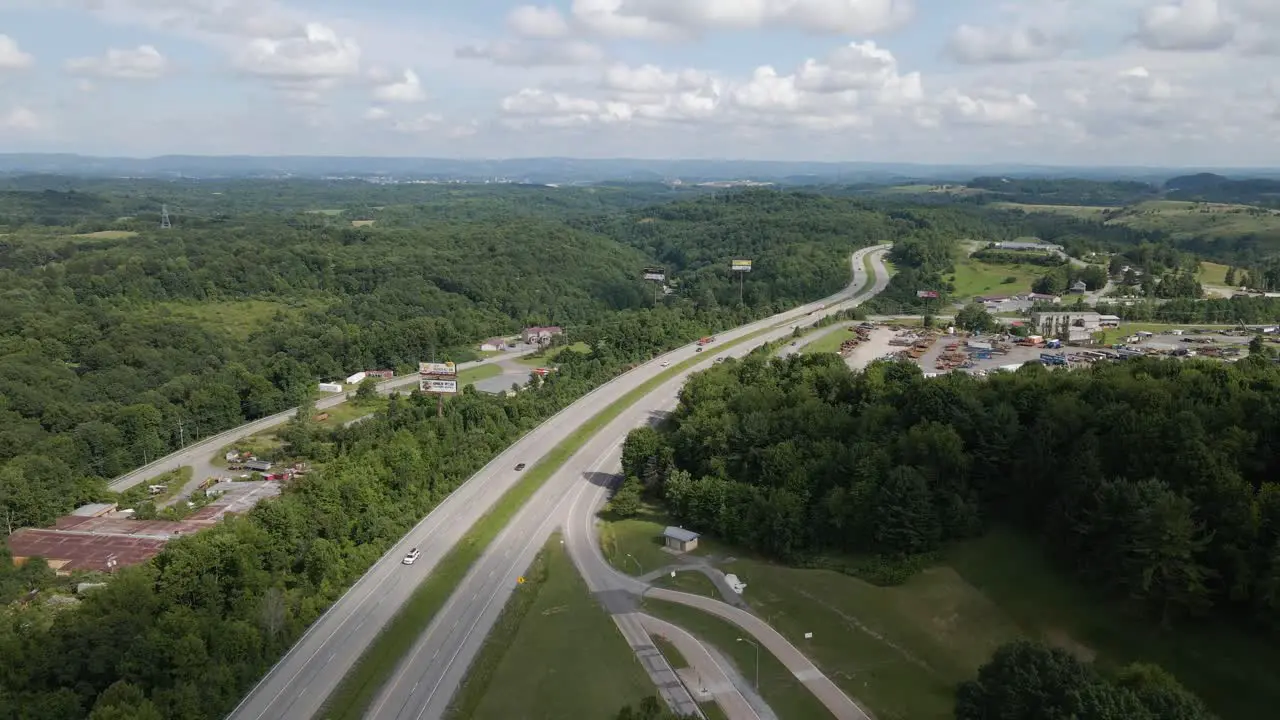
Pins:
x,y
356,692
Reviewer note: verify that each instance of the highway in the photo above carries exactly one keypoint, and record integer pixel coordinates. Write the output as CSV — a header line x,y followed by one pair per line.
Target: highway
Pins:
x,y
425,681
198,454
300,682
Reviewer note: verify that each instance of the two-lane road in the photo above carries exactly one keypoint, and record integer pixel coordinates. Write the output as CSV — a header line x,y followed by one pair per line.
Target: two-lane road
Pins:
x,y
299,684
425,681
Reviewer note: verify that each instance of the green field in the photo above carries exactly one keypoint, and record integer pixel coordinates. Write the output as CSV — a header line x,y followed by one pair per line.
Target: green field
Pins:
x,y
902,650
634,545
1115,335
689,581
1182,219
974,278
830,342
1212,274
478,373
238,318
351,410
554,653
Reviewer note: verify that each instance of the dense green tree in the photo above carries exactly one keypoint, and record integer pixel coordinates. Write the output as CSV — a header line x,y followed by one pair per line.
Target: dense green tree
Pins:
x,y
625,502
975,318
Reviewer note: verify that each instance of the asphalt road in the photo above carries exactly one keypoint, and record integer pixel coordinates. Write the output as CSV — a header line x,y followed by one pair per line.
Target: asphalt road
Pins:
x,y
298,685
426,680
198,455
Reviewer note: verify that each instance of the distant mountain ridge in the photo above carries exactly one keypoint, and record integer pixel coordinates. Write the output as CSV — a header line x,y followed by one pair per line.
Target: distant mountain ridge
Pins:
x,y
1211,187
555,170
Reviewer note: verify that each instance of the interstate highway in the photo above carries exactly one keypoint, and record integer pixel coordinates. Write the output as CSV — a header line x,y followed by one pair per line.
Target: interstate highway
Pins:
x,y
425,681
199,454
298,685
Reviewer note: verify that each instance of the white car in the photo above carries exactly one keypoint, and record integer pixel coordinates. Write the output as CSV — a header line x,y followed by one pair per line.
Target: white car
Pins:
x,y
666,363
412,557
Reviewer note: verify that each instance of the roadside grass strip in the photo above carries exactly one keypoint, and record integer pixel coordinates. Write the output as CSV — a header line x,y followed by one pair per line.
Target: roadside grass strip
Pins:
x,y
378,662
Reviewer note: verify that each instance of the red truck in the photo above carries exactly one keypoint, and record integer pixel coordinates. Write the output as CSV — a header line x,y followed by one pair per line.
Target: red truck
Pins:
x,y
706,340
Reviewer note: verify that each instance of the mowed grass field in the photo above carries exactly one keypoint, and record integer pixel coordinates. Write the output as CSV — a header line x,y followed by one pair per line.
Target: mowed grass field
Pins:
x,y
830,342
549,358
1212,274
974,278
902,650
564,658
1085,212
107,235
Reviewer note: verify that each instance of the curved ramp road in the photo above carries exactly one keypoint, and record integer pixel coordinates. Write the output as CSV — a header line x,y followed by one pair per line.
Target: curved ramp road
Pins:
x,y
198,454
425,681
298,685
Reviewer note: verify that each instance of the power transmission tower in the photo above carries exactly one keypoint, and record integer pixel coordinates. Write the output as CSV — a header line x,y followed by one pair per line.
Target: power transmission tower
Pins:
x,y
164,217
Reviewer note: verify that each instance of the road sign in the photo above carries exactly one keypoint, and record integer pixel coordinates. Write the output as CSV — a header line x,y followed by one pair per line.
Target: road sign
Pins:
x,y
926,293
740,265
431,368
520,580
432,385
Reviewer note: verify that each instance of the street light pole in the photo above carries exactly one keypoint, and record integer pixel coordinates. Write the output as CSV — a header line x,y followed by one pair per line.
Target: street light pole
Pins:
x,y
757,647
637,562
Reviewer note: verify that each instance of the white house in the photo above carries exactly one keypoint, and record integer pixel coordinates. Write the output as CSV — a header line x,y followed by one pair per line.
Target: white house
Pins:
x,y
357,377
493,344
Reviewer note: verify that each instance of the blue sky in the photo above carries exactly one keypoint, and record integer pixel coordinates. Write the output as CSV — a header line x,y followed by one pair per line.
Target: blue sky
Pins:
x,y
1172,82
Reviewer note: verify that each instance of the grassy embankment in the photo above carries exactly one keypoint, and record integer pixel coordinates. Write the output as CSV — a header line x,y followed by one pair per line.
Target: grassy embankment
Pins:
x,y
554,651
902,650
975,278
376,664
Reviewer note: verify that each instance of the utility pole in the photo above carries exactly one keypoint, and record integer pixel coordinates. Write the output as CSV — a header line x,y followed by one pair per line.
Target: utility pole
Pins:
x,y
742,280
439,405
182,442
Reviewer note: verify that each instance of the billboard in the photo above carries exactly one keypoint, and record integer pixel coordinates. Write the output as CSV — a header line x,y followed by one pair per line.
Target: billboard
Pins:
x,y
655,273
442,387
926,293
447,368
740,265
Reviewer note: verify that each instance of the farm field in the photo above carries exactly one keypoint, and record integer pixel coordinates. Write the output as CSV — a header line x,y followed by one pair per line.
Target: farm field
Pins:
x,y
902,650
1182,219
1212,274
1085,212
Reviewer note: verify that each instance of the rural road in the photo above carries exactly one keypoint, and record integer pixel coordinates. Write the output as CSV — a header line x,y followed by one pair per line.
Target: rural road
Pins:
x,y
301,681
198,455
423,685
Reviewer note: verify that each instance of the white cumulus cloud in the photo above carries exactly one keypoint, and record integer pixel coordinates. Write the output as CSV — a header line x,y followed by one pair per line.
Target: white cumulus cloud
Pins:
x,y
1185,25
532,53
141,63
20,119
12,57
407,90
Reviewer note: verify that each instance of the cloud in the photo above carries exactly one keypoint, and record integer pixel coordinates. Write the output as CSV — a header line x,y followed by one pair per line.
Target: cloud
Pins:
x,y
850,87
530,53
977,45
374,114
1185,25
430,122
20,119
12,57
990,108
1138,84
304,65
537,22
685,19
141,63
407,90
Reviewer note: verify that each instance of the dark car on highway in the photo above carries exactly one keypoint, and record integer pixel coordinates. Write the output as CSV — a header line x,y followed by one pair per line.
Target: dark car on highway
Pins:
x,y
520,467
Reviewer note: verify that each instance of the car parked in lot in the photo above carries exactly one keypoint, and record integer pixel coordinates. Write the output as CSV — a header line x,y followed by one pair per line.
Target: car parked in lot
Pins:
x,y
412,557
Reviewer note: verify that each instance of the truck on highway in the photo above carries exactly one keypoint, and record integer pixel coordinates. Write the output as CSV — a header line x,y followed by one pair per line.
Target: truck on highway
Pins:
x,y
707,340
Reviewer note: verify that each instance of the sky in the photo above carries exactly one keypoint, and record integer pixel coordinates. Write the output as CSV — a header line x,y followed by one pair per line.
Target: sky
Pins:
x,y
1069,82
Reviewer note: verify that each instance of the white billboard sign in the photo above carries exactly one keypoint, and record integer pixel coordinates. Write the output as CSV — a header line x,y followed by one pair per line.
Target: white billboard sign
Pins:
x,y
442,387
427,368
656,276
740,266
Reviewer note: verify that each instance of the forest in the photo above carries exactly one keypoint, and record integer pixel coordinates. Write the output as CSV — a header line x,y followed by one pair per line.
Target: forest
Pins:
x,y
1152,481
